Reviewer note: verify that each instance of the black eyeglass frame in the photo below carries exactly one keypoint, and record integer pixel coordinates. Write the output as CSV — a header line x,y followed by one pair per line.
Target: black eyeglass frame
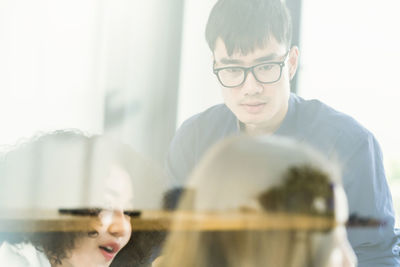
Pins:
x,y
251,68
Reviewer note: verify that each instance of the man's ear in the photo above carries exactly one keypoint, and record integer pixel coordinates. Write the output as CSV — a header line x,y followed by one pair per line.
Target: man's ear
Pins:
x,y
293,61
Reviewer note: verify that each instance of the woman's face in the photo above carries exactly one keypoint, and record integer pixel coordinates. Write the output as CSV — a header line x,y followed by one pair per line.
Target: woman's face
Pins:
x,y
112,231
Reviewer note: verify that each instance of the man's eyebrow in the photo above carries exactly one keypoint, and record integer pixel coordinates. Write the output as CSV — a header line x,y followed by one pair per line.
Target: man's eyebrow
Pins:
x,y
228,61
266,58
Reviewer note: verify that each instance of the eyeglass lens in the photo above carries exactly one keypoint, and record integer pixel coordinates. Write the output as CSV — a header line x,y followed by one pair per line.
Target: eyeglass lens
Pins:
x,y
265,73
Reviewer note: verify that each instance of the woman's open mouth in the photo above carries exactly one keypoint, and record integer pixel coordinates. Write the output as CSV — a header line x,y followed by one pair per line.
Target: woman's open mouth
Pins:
x,y
109,250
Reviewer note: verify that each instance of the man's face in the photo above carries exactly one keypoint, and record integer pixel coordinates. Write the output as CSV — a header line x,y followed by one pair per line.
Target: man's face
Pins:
x,y
258,105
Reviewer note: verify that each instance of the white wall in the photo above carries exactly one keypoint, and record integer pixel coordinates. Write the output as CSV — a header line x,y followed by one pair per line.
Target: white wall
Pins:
x,y
349,59
48,70
199,88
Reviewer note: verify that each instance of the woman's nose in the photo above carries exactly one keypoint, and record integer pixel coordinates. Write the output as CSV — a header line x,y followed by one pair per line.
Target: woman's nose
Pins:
x,y
120,224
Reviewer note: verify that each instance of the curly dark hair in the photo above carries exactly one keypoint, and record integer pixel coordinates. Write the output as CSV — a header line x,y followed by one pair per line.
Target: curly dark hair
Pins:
x,y
138,252
301,187
55,245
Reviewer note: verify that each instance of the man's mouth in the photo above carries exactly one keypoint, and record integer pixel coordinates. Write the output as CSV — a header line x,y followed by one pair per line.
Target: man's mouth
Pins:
x,y
253,104
254,107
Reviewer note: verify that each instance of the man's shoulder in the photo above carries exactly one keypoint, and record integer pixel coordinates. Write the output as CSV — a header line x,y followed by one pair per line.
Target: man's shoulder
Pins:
x,y
323,116
215,113
195,136
205,127
211,118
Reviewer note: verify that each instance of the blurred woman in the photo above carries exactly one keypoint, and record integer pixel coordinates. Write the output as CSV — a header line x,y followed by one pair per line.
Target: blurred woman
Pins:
x,y
88,176
265,184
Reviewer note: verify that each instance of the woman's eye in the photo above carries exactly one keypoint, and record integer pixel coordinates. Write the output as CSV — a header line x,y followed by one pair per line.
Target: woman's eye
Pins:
x,y
95,212
127,217
132,213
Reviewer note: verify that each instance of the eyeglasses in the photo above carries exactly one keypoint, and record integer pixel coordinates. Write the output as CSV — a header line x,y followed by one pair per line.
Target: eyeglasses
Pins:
x,y
266,73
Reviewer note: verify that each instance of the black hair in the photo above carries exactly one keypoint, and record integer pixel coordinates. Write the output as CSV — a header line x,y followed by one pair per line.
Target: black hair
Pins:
x,y
301,187
171,198
55,245
244,25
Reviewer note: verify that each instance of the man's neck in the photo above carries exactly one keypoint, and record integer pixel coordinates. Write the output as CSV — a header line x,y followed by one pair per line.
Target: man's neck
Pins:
x,y
254,130
264,129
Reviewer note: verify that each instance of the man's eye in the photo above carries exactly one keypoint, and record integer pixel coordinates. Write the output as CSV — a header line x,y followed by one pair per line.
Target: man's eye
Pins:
x,y
265,67
233,70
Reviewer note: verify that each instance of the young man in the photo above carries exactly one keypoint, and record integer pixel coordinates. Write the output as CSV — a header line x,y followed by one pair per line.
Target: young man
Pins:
x,y
254,63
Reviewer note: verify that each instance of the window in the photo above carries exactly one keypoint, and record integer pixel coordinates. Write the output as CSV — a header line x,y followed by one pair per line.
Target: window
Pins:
x,y
349,60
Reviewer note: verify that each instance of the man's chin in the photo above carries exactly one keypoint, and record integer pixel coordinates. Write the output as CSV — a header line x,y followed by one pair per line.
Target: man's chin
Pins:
x,y
255,122
250,119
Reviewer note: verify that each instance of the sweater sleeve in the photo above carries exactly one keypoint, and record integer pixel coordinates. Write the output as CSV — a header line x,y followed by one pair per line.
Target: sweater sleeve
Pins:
x,y
181,156
369,196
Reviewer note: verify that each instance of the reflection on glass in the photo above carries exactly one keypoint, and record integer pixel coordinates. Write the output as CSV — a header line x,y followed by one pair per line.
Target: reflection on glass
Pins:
x,y
67,199
282,204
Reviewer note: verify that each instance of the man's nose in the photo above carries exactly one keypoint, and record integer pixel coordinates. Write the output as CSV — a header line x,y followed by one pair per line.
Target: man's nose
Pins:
x,y
120,224
251,86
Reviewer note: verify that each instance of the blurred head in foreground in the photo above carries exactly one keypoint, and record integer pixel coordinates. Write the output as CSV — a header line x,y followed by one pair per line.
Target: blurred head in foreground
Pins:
x,y
262,178
69,170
